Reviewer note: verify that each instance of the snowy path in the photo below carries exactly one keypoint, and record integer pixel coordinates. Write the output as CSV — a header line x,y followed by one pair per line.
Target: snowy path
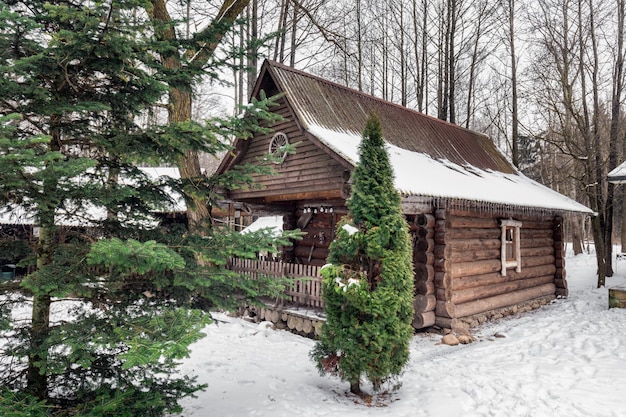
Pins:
x,y
566,359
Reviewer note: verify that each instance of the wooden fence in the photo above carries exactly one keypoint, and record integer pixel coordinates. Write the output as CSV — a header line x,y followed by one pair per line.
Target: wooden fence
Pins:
x,y
306,282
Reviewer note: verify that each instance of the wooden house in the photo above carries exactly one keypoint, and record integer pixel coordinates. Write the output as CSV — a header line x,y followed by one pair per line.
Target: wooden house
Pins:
x,y
486,239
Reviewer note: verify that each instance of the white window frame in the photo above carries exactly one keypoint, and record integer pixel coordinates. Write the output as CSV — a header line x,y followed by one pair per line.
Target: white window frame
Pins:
x,y
514,226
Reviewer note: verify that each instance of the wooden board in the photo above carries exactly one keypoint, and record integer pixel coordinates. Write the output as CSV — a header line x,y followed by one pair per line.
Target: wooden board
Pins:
x,y
617,297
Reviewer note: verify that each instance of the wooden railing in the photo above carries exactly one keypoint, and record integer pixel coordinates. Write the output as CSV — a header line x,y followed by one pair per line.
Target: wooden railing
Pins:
x,y
306,281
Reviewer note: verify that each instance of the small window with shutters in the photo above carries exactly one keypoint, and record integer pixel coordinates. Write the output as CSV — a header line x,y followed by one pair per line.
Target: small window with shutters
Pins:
x,y
510,252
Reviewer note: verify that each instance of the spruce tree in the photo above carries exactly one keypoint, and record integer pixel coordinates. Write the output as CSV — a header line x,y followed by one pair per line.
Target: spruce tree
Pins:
x,y
112,300
368,285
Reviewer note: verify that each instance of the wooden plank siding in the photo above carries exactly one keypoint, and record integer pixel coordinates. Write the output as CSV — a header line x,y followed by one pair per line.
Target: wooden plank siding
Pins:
x,y
320,231
468,280
309,170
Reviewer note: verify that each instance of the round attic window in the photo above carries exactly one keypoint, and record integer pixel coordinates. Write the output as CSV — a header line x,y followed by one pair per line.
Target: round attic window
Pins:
x,y
279,140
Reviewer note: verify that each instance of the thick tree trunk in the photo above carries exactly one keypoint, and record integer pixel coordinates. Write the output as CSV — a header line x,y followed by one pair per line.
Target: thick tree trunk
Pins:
x,y
452,64
189,164
294,27
608,231
179,109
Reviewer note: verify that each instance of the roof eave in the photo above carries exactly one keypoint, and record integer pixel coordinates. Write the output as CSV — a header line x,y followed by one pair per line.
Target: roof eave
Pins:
x,y
617,179
490,206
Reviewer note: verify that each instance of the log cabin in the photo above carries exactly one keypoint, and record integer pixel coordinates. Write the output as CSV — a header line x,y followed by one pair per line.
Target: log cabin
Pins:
x,y
487,240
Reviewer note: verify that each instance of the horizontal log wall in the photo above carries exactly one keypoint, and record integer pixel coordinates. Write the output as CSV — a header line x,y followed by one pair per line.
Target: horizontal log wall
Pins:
x,y
309,170
467,264
422,229
559,255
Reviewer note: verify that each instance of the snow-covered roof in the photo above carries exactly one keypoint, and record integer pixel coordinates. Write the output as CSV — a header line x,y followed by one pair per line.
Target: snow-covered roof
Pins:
x,y
419,174
14,214
179,205
618,175
89,213
430,157
275,223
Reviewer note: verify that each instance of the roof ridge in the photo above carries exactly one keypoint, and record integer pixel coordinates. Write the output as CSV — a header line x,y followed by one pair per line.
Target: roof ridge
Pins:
x,y
284,67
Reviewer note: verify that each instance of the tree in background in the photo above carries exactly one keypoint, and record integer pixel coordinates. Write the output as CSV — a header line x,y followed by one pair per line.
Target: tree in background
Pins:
x,y
113,298
460,60
189,61
575,51
368,288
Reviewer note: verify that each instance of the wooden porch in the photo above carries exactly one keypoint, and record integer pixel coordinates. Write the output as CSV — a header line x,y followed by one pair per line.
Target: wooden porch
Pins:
x,y
306,281
300,310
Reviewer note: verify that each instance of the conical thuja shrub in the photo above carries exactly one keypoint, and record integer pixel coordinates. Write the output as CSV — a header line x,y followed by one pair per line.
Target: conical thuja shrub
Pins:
x,y
368,285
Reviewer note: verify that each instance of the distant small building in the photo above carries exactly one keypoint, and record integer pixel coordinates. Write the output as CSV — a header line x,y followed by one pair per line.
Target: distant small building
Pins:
x,y
486,238
618,175
19,228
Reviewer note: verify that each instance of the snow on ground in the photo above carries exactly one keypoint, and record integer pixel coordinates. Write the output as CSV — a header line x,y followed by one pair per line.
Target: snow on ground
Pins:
x,y
565,359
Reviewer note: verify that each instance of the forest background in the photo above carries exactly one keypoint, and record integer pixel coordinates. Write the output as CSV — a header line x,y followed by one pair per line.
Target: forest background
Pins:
x,y
544,79
93,89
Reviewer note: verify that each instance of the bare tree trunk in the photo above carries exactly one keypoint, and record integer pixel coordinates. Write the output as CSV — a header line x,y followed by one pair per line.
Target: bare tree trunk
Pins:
x,y
419,50
279,54
602,220
359,47
451,94
252,64
385,52
188,23
514,111
614,132
240,66
294,26
577,235
403,54
442,64
36,376
424,63
372,68
483,9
